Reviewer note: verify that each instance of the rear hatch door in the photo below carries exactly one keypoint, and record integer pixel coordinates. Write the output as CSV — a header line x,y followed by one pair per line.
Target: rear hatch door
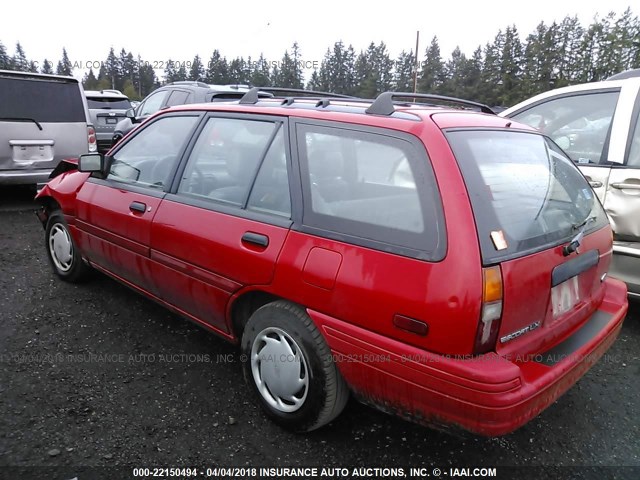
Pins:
x,y
541,222
42,120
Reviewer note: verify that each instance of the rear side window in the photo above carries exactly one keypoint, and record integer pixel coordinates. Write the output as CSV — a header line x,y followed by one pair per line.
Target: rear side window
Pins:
x,y
53,101
370,188
223,163
525,193
579,124
108,103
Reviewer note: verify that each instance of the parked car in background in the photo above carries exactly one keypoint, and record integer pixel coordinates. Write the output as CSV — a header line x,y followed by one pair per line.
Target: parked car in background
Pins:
x,y
43,119
374,247
177,93
597,125
106,109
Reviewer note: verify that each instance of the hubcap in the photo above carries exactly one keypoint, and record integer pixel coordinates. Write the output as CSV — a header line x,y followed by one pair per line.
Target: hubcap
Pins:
x,y
279,370
61,247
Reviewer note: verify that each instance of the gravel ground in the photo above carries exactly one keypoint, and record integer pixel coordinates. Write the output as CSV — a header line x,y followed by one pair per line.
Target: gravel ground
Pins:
x,y
96,375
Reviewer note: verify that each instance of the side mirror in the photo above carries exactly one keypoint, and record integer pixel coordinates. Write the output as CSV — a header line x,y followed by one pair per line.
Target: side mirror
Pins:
x,y
91,162
130,113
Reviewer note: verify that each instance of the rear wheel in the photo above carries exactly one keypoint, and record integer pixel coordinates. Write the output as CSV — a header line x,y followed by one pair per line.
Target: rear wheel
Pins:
x,y
63,254
290,368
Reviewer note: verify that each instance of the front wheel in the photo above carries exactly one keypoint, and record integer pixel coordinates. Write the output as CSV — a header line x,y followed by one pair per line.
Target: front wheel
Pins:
x,y
63,254
290,368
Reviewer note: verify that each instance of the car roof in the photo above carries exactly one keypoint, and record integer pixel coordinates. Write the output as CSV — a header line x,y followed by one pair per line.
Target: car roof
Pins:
x,y
406,117
38,76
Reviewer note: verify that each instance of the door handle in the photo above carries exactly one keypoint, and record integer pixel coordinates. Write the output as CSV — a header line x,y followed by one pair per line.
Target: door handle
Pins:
x,y
626,186
595,184
256,238
138,207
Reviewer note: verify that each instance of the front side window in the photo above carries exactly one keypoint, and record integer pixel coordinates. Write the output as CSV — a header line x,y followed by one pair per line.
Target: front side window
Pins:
x,y
525,193
178,97
369,186
149,157
579,124
225,159
152,104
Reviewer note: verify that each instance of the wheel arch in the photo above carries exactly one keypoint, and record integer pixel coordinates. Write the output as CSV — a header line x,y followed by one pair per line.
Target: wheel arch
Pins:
x,y
47,205
244,305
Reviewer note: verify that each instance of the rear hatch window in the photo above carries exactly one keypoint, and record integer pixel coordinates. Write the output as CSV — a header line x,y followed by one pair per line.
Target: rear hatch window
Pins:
x,y
42,100
109,103
526,194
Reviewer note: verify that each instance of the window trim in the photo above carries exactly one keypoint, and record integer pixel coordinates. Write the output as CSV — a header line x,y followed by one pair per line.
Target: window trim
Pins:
x,y
322,226
634,125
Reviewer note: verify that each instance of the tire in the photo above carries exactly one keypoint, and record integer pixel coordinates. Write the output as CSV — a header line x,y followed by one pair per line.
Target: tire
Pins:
x,y
290,369
62,251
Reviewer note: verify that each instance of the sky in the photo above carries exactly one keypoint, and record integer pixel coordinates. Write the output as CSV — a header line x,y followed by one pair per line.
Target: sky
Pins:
x,y
161,31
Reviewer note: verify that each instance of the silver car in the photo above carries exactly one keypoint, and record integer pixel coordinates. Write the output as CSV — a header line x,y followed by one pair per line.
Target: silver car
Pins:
x,y
106,109
598,126
43,119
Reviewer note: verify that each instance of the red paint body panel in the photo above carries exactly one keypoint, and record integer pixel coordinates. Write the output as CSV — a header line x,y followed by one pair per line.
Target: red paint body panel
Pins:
x,y
524,306
112,235
372,287
488,395
199,259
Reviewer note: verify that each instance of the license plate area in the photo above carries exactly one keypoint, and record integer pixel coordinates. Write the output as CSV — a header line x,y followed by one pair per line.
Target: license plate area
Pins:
x,y
27,151
565,296
111,121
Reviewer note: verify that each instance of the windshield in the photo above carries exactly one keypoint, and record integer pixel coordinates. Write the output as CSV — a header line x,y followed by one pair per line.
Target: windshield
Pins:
x,y
109,103
525,193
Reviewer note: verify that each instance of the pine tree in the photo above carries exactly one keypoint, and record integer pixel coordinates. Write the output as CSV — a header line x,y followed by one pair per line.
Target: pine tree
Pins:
x,y
90,82
196,72
432,73
64,66
170,73
217,69
148,80
47,67
403,80
260,73
238,71
19,60
5,61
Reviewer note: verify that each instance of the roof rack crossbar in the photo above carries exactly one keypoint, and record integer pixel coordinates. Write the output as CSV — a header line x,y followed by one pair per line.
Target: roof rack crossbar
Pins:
x,y
384,104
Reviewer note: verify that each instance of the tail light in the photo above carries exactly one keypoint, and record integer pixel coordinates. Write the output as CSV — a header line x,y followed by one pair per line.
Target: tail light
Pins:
x,y
91,139
489,325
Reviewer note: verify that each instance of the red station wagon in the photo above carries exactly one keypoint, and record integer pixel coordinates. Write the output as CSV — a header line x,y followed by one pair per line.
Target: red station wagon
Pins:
x,y
444,264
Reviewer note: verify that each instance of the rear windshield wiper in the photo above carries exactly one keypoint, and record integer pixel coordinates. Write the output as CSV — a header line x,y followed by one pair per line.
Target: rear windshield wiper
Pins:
x,y
19,119
577,240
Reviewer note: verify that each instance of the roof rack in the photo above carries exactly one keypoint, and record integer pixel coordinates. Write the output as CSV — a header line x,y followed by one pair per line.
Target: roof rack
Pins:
x,y
251,97
190,82
384,104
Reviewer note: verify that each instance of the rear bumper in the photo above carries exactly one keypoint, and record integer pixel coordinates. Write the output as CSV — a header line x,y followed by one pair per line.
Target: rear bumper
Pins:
x,y
488,395
24,177
625,265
